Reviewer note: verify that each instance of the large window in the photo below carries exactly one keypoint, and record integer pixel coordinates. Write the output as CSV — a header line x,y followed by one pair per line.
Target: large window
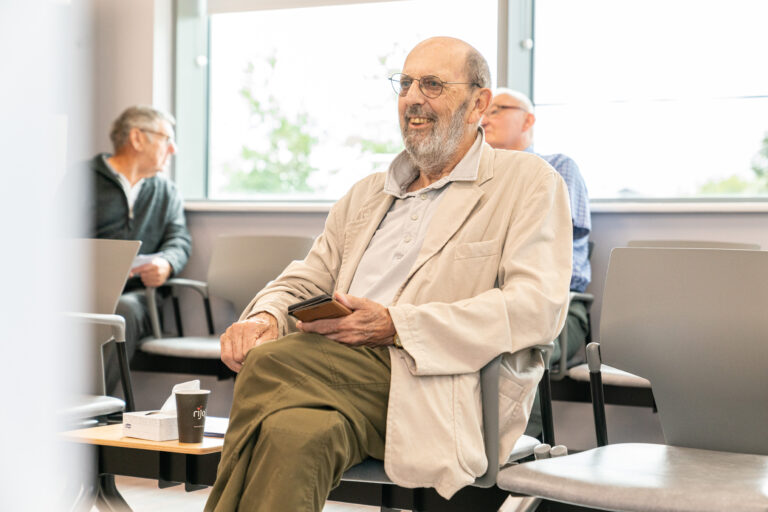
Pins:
x,y
655,98
299,102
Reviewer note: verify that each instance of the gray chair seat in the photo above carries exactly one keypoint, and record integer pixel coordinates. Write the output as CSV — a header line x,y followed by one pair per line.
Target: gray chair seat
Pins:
x,y
645,477
91,406
523,448
611,376
372,470
196,347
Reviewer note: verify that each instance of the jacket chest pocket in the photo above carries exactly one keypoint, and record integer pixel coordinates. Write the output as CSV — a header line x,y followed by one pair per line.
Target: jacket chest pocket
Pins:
x,y
481,249
475,267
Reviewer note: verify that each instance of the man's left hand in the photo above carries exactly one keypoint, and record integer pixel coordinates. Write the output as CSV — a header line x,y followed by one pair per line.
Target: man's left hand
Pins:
x,y
369,324
153,274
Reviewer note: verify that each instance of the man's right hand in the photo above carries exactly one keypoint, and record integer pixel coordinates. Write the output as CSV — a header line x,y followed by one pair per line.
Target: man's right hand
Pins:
x,y
242,336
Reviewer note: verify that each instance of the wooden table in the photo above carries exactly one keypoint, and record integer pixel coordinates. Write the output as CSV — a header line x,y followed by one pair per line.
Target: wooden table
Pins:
x,y
168,462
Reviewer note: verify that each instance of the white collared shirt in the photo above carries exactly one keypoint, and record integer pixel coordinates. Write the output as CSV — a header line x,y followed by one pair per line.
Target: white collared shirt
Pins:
x,y
398,239
131,192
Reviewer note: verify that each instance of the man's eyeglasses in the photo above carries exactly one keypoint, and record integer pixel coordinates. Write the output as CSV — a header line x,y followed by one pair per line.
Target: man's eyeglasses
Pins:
x,y
498,109
430,86
168,139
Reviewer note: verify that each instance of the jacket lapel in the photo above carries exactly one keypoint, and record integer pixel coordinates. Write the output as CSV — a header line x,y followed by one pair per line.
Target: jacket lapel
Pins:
x,y
459,201
358,234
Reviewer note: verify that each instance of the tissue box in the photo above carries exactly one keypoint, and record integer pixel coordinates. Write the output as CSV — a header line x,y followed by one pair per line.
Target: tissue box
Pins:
x,y
151,425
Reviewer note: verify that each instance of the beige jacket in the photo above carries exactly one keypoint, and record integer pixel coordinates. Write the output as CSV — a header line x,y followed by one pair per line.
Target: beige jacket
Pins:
x,y
491,278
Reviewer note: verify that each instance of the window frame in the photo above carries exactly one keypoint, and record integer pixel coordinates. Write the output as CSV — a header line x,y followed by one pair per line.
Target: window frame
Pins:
x,y
515,33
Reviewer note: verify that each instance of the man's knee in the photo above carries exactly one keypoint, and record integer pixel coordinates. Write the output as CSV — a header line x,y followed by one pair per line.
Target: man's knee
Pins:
x,y
131,301
300,432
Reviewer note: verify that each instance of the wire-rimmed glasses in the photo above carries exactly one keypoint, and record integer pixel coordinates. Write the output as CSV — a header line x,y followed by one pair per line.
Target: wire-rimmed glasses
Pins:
x,y
429,85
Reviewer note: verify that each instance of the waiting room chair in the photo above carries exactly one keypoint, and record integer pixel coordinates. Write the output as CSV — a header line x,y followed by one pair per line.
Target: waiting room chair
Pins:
x,y
110,262
240,266
693,321
368,484
627,385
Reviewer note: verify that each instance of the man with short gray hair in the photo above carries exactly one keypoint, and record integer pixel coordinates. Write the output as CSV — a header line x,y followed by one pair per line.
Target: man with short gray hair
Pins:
x,y
130,201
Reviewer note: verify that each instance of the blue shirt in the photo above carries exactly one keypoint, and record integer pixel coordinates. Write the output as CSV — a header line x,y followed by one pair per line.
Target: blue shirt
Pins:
x,y
580,215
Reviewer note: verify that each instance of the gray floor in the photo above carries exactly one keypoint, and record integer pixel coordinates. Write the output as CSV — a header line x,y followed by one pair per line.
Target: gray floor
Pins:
x,y
143,496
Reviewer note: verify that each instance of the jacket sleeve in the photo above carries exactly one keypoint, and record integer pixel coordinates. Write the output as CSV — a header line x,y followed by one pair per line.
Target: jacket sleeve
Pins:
x,y
176,243
527,308
300,280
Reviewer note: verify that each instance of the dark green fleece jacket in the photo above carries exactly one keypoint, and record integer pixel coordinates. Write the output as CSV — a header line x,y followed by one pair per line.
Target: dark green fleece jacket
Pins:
x,y
157,220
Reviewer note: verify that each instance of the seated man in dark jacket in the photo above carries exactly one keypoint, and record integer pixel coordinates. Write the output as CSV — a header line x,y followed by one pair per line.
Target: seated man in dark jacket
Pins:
x,y
130,201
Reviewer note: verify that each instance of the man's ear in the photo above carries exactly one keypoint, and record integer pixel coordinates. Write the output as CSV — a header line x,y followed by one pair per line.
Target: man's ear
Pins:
x,y
482,100
136,139
529,122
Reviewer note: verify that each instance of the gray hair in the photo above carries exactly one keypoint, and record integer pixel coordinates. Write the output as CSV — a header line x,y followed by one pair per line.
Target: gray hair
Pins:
x,y
477,68
526,102
139,116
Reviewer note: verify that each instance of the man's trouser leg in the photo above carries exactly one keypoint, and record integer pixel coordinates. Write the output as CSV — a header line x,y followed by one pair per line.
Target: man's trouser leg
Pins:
x,y
305,409
577,327
133,307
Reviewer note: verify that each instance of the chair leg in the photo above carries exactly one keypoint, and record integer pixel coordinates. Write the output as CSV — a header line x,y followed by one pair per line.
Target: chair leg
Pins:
x,y
125,376
177,316
86,497
520,504
109,498
547,420
164,484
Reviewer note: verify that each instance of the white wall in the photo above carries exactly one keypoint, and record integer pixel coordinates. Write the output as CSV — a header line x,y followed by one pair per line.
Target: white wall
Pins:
x,y
133,59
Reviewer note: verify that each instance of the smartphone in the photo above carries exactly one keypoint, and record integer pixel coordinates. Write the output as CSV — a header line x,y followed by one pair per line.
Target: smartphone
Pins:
x,y
315,308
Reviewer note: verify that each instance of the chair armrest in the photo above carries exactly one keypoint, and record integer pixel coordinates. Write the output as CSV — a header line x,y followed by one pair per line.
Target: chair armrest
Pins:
x,y
154,318
116,322
489,385
200,287
562,340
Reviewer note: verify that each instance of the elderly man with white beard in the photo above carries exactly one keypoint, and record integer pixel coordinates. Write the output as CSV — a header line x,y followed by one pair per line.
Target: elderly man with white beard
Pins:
x,y
457,254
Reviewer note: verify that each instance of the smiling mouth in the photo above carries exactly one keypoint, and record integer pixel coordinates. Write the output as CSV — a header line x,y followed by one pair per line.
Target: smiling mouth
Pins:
x,y
418,121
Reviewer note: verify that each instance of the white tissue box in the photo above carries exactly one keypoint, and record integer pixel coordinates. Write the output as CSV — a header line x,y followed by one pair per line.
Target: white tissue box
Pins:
x,y
151,425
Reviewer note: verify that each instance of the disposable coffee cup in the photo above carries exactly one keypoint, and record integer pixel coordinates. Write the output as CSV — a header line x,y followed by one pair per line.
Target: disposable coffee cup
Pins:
x,y
190,414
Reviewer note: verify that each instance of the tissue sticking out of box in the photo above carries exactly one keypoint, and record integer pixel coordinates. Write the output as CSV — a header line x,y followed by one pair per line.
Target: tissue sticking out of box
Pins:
x,y
170,402
157,425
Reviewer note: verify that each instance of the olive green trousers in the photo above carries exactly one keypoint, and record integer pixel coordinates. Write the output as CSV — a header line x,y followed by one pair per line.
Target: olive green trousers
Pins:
x,y
305,409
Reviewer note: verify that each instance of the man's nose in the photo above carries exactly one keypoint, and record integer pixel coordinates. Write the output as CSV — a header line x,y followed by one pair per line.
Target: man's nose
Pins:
x,y
172,147
414,94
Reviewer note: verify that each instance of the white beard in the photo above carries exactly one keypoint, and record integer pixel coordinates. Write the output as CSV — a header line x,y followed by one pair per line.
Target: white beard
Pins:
x,y
435,150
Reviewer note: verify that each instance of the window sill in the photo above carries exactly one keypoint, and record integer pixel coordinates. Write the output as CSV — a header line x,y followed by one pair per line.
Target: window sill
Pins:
x,y
598,206
680,206
258,206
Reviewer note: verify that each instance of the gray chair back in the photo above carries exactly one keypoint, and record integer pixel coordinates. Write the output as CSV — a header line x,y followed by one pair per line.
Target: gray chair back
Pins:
x,y
241,265
693,322
693,244
106,265
111,262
